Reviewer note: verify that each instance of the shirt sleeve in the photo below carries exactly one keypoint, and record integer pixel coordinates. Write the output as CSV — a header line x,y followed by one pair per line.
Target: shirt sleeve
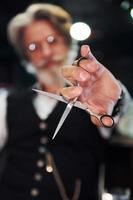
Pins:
x,y
125,124
120,118
3,123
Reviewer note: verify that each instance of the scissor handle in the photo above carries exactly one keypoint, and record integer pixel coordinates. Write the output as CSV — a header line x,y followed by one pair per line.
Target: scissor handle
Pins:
x,y
77,62
101,118
107,117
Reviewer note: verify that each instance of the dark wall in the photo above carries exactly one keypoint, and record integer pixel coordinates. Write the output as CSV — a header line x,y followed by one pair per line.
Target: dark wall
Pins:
x,y
111,39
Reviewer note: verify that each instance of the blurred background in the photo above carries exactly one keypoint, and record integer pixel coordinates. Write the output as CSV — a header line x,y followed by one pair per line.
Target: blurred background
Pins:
x,y
111,40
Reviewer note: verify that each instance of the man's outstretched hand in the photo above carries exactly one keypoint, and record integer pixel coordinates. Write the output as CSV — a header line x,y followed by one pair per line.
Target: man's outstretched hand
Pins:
x,y
98,88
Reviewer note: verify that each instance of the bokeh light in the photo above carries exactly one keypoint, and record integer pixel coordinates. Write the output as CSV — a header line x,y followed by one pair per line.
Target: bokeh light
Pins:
x,y
80,31
131,13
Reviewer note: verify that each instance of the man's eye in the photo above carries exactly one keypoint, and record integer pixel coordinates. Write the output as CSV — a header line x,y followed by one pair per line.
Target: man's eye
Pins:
x,y
51,39
32,47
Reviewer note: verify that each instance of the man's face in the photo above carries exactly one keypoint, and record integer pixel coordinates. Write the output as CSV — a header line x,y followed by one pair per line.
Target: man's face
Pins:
x,y
45,47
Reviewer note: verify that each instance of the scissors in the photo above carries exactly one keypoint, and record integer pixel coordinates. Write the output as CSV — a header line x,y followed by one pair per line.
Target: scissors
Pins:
x,y
77,104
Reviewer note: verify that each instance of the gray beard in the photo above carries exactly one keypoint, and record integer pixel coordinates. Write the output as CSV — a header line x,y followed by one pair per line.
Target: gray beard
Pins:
x,y
51,77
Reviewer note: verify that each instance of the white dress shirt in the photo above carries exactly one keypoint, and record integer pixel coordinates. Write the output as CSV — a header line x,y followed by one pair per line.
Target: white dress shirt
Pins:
x,y
44,106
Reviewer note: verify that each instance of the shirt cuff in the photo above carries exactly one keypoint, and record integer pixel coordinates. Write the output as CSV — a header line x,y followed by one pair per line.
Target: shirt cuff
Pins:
x,y
118,119
3,122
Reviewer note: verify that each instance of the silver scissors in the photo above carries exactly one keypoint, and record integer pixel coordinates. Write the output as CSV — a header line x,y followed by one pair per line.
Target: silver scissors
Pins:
x,y
77,104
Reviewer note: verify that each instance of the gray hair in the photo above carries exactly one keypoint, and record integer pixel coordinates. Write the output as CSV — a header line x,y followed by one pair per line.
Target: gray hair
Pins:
x,y
55,14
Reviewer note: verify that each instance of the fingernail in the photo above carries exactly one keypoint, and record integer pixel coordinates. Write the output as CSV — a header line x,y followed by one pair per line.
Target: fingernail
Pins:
x,y
87,47
78,90
90,56
83,76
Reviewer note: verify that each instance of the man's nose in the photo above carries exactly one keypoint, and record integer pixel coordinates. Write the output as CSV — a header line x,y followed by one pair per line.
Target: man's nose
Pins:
x,y
46,50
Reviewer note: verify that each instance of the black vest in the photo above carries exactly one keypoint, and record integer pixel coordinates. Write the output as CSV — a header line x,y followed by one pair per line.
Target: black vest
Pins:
x,y
77,151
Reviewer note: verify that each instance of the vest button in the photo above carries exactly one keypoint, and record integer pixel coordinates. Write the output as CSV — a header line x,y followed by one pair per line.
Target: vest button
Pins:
x,y
42,125
42,150
38,177
40,163
34,192
49,168
43,140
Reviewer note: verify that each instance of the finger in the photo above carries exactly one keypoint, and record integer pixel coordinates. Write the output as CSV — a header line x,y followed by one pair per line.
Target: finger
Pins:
x,y
107,121
90,66
71,92
103,105
73,73
96,122
84,51
100,110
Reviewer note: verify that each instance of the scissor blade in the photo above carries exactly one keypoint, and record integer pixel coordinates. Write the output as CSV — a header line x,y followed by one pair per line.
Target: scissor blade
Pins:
x,y
80,105
77,104
64,116
51,95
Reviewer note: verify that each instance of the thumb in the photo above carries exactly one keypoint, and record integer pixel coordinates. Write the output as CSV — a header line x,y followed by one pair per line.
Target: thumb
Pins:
x,y
85,50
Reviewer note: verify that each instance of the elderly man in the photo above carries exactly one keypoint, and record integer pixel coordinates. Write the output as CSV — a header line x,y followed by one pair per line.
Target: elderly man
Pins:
x,y
68,167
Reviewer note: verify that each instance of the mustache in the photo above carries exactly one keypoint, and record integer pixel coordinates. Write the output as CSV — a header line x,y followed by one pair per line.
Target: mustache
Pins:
x,y
56,58
51,76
